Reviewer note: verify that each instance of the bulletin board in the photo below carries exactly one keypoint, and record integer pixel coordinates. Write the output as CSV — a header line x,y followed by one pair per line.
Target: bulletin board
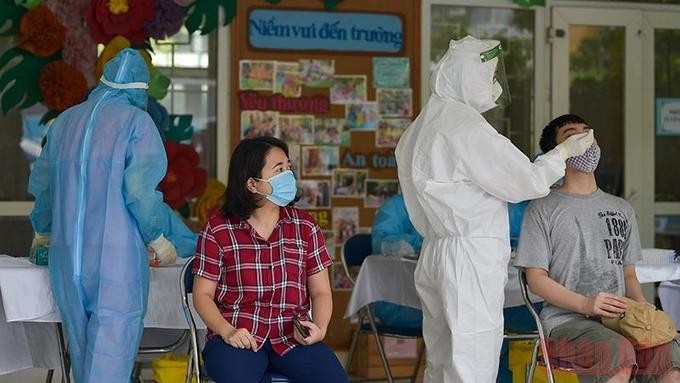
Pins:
x,y
339,86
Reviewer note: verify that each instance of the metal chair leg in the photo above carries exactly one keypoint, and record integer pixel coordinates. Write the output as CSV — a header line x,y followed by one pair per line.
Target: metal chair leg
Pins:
x,y
63,355
381,351
50,375
534,361
353,345
190,366
137,373
419,359
196,360
546,361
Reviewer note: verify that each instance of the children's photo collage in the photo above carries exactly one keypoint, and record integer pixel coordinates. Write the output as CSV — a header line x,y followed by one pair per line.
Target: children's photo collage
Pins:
x,y
314,141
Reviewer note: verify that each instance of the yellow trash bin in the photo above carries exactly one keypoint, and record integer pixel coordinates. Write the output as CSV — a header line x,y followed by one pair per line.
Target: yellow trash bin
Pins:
x,y
520,358
170,368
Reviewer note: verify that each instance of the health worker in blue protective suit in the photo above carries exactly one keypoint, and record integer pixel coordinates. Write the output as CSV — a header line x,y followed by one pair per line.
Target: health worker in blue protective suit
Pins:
x,y
97,208
393,234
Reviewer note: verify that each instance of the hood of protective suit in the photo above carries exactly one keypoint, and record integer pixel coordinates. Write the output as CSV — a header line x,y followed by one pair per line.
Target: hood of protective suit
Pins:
x,y
126,74
461,75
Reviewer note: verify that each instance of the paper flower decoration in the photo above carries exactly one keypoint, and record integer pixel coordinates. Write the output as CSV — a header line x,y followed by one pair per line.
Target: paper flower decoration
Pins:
x,y
80,51
158,84
184,178
109,18
40,32
29,4
159,115
61,85
209,201
168,20
69,12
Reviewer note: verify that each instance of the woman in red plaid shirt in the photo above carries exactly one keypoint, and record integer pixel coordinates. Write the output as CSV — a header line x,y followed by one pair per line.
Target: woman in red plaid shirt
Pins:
x,y
261,265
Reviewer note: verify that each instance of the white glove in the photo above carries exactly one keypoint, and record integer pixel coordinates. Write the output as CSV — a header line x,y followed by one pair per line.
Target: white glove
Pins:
x,y
40,240
164,249
575,145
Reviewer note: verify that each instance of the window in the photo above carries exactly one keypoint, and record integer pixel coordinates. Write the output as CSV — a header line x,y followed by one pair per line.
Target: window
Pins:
x,y
514,28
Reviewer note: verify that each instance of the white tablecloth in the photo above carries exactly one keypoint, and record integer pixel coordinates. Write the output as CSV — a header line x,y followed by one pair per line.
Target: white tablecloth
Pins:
x,y
669,295
28,311
391,279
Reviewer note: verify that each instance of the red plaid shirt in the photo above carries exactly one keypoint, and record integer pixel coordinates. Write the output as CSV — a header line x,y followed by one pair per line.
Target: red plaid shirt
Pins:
x,y
261,284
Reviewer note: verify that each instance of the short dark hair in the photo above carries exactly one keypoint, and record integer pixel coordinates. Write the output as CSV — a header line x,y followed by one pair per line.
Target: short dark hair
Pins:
x,y
247,161
549,136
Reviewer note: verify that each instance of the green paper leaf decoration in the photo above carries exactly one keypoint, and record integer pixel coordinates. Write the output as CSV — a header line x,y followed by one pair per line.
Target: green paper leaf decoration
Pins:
x,y
19,74
158,84
203,15
28,4
529,3
331,4
180,128
10,14
184,211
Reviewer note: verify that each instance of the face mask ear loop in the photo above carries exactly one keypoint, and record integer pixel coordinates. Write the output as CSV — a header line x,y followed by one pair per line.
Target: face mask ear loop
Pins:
x,y
260,180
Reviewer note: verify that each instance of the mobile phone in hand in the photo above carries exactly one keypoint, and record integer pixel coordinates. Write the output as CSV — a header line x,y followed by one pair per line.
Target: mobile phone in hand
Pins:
x,y
301,329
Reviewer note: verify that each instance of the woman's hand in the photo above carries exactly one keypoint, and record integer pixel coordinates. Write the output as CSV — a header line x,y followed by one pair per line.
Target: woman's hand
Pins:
x,y
605,305
315,333
239,338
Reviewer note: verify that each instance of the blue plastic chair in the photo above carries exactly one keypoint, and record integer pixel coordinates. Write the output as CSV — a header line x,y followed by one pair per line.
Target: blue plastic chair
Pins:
x,y
186,286
354,252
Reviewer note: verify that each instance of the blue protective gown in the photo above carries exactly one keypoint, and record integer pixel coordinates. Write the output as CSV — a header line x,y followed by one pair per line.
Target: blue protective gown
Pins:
x,y
95,194
391,225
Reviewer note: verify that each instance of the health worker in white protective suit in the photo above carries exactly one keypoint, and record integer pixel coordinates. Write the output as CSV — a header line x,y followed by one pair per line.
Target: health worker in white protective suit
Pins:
x,y
457,175
97,209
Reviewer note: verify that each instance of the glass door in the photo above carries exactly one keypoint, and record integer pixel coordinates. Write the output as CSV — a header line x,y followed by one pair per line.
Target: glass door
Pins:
x,y
597,74
620,70
662,101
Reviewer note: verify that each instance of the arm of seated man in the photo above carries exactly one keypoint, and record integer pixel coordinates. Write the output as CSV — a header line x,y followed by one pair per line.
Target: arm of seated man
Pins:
x,y
602,304
633,288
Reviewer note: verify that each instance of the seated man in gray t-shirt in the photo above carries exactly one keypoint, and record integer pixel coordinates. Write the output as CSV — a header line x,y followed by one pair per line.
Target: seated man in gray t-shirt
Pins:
x,y
579,246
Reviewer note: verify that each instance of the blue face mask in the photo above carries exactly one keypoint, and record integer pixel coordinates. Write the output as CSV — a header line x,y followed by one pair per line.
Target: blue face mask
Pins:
x,y
284,188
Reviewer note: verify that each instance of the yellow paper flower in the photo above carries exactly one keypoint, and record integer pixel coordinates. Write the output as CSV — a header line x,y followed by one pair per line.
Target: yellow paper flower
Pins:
x,y
208,202
111,49
118,6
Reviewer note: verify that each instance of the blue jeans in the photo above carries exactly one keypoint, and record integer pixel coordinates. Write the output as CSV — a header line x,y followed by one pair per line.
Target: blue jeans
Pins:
x,y
303,364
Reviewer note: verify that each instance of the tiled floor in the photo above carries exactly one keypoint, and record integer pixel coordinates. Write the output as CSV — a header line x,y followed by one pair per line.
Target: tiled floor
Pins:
x,y
35,375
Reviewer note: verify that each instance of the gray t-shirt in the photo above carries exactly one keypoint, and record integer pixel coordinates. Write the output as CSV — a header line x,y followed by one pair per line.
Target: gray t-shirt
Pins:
x,y
582,241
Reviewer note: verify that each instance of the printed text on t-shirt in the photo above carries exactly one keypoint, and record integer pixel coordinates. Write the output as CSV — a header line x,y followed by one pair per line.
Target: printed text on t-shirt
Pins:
x,y
617,230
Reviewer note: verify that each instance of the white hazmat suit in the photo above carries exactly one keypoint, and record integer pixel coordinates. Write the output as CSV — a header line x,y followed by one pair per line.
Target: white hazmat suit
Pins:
x,y
457,175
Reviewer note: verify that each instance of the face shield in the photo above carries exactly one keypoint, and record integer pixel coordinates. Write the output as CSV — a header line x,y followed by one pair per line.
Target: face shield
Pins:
x,y
472,72
500,92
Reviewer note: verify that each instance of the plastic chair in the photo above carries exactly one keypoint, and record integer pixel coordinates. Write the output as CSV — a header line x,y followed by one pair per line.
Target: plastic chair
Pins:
x,y
354,251
540,342
195,367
